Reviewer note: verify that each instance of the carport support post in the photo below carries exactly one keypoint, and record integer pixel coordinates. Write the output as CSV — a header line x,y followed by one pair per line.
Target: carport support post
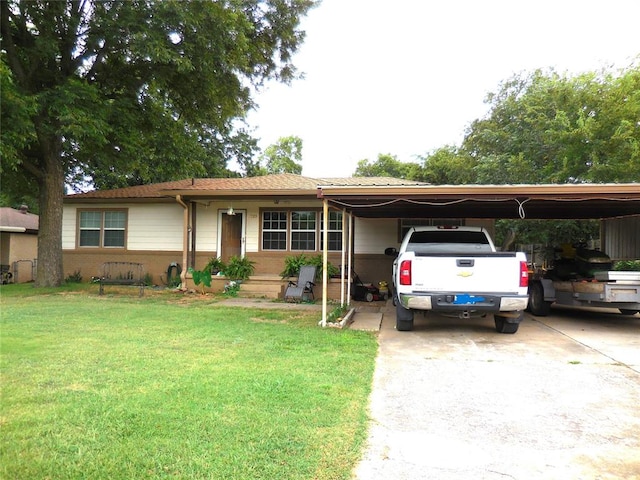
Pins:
x,y
349,256
325,241
343,253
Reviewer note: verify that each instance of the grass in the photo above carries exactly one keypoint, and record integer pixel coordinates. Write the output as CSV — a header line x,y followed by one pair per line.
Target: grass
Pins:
x,y
164,386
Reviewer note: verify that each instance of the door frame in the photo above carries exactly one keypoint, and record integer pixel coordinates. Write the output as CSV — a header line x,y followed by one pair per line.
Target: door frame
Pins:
x,y
243,242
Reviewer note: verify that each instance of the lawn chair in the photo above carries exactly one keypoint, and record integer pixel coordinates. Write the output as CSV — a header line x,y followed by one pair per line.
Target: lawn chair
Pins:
x,y
296,291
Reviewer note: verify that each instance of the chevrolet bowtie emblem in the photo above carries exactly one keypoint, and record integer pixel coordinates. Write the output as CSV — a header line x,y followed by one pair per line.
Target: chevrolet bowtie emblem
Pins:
x,y
465,273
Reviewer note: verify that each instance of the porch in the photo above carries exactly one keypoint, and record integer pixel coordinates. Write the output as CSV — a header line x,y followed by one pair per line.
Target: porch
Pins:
x,y
266,286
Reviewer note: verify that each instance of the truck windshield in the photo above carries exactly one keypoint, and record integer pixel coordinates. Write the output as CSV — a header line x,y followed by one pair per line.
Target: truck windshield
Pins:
x,y
448,241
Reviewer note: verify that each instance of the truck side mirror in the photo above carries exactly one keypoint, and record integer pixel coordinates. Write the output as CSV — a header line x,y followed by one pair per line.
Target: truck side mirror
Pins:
x,y
391,251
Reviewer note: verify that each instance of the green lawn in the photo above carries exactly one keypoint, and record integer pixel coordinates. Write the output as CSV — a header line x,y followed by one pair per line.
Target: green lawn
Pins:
x,y
164,386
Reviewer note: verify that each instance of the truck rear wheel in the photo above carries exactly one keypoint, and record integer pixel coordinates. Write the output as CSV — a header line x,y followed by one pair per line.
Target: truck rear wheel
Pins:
x,y
404,318
504,326
537,305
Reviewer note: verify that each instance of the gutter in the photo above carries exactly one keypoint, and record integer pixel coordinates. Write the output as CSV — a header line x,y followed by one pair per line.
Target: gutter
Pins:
x,y
12,229
185,241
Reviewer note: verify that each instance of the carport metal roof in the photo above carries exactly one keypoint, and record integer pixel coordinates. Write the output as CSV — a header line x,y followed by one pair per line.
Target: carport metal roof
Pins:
x,y
574,201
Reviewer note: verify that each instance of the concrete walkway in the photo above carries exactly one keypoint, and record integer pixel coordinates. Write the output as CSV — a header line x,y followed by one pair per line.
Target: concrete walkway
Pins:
x,y
268,303
367,316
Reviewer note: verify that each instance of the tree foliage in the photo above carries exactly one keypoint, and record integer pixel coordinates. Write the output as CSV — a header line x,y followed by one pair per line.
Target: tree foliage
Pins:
x,y
448,166
387,165
284,156
548,128
121,93
541,128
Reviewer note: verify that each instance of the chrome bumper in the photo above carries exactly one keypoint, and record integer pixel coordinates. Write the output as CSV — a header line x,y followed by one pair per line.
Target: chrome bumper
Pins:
x,y
424,302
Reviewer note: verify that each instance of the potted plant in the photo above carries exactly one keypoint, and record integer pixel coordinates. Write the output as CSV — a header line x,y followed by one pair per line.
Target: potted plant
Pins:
x,y
215,265
239,268
293,263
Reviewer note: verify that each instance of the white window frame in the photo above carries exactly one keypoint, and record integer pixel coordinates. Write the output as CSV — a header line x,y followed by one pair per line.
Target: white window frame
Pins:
x,y
102,229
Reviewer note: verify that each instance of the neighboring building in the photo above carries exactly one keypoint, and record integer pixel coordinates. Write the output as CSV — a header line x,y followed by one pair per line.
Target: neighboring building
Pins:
x,y
18,243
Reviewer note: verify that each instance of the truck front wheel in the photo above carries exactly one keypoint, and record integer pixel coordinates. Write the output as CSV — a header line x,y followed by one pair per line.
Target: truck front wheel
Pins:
x,y
503,326
404,318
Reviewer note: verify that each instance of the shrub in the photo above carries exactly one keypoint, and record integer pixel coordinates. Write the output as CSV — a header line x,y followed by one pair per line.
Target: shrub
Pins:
x,y
215,266
627,265
75,277
239,268
293,263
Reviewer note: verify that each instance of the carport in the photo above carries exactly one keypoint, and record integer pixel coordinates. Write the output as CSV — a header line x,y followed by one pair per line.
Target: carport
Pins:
x,y
572,201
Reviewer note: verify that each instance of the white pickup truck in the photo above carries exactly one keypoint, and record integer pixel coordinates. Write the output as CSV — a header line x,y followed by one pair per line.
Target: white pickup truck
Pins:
x,y
457,271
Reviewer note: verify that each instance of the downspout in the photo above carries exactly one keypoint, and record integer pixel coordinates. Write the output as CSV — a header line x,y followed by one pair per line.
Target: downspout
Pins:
x,y
192,261
185,241
325,241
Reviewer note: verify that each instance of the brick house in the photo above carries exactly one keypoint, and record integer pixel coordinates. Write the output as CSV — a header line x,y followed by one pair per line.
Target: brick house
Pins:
x,y
269,218
190,221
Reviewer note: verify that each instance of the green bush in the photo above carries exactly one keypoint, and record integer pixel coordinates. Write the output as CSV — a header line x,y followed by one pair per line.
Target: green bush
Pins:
x,y
215,265
75,277
627,266
239,268
293,263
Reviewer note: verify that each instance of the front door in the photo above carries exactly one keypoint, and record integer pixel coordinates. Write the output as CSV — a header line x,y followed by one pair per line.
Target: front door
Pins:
x,y
231,238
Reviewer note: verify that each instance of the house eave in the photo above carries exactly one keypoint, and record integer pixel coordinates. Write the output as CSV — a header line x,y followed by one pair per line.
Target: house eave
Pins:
x,y
261,193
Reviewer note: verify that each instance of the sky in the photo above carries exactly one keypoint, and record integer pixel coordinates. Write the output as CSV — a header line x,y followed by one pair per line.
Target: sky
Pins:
x,y
406,77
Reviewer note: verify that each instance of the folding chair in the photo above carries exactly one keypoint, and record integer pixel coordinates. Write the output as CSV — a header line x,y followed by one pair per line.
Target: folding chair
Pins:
x,y
296,291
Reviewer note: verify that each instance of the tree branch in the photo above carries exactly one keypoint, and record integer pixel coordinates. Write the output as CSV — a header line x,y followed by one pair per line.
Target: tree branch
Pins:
x,y
9,45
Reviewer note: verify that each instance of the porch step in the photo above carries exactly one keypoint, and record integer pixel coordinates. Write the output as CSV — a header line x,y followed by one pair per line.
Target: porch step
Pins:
x,y
262,287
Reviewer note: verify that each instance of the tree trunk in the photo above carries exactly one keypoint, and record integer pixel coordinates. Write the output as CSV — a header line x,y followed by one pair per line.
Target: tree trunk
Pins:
x,y
49,271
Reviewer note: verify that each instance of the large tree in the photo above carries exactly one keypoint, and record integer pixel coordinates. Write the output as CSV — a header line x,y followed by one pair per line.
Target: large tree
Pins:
x,y
548,128
284,156
387,165
118,93
448,166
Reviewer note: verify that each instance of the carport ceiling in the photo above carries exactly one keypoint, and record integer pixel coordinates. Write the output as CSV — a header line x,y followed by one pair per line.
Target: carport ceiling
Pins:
x,y
592,201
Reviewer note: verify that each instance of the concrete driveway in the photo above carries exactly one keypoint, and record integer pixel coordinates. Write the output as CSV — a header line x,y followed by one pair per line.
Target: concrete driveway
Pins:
x,y
560,399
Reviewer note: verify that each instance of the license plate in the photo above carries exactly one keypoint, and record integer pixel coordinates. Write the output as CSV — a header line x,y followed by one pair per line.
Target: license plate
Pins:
x,y
467,299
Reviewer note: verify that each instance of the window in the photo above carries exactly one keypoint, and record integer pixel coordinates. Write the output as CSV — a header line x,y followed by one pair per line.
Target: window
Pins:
x,y
274,230
303,231
299,230
406,223
334,232
102,228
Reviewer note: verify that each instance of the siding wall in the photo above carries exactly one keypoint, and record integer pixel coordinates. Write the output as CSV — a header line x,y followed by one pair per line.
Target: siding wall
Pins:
x,y
155,237
621,238
150,227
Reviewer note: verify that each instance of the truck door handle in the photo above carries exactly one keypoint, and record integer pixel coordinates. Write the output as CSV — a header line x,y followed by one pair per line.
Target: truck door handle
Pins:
x,y
464,262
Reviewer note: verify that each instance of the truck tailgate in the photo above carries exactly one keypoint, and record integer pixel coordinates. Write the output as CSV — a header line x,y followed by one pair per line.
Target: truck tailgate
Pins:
x,y
494,272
